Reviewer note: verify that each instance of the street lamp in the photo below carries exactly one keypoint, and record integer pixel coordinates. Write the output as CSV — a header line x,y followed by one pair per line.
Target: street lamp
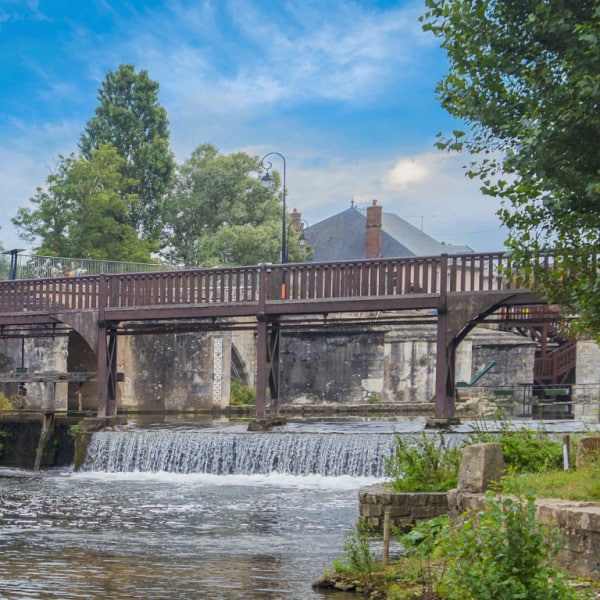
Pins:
x,y
302,241
269,183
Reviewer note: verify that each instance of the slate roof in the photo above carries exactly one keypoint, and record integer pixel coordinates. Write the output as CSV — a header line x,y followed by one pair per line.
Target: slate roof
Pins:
x,y
343,237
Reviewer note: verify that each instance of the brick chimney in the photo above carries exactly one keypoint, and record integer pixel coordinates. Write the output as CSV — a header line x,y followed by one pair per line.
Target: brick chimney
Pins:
x,y
296,218
373,239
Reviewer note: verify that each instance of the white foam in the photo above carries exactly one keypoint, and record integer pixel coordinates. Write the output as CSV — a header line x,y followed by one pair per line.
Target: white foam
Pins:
x,y
344,482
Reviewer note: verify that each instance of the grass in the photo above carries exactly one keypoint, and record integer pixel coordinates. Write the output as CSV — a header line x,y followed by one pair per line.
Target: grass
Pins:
x,y
582,484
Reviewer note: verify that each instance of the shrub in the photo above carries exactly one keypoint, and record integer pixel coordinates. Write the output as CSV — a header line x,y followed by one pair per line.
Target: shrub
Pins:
x,y
503,553
525,450
358,555
5,402
426,463
241,395
4,435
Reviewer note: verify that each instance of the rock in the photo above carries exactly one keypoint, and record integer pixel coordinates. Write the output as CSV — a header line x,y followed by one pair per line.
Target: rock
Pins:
x,y
481,465
266,424
588,450
323,583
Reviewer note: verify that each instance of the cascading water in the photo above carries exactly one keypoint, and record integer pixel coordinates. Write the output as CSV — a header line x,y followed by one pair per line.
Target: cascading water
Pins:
x,y
219,453
196,509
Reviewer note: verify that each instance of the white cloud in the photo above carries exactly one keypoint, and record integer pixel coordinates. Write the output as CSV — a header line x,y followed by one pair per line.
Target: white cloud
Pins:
x,y
407,171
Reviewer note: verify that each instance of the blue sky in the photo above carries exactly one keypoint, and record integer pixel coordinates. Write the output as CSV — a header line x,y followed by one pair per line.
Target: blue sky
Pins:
x,y
343,89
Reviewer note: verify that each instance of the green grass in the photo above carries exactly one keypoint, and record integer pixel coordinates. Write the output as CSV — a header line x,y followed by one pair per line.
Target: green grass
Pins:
x,y
581,485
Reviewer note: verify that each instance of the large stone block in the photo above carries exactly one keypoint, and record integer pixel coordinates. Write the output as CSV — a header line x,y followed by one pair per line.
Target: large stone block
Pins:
x,y
481,465
588,450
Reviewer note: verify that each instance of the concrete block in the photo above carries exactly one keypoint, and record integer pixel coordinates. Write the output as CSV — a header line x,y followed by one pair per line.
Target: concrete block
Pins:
x,y
481,465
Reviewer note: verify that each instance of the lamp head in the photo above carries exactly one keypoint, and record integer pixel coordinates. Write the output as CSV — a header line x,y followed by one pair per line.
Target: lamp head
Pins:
x,y
267,181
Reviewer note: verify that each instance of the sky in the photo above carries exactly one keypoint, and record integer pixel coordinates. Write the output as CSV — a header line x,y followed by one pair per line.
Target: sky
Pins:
x,y
343,89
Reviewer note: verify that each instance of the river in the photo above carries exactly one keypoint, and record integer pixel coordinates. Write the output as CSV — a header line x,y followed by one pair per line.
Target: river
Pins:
x,y
190,511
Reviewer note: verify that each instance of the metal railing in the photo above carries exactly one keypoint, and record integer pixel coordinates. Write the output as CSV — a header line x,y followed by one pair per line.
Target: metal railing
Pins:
x,y
30,266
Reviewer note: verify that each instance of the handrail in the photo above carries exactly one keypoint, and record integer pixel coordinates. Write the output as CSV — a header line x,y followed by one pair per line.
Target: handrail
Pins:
x,y
371,278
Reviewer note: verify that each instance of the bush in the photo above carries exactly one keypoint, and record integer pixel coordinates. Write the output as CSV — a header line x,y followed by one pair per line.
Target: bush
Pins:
x,y
525,450
423,464
357,553
503,553
241,395
5,402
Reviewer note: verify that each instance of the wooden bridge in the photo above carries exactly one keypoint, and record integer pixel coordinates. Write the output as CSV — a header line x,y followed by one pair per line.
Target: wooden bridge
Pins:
x,y
459,290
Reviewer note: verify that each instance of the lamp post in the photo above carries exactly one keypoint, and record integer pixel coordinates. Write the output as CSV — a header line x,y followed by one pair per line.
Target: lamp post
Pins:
x,y
269,183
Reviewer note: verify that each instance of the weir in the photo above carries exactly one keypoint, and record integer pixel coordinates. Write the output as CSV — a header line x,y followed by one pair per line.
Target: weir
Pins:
x,y
220,453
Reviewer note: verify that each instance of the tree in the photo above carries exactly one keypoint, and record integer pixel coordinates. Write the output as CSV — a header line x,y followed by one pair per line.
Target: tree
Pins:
x,y
220,214
84,210
525,77
130,117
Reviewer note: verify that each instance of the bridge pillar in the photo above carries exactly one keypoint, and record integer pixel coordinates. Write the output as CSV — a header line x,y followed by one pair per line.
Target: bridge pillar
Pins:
x,y
107,356
444,371
102,357
445,352
267,366
107,373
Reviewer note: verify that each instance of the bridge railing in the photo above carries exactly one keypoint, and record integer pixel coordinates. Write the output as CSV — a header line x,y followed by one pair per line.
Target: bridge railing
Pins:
x,y
59,293
478,272
300,282
389,277
194,286
383,277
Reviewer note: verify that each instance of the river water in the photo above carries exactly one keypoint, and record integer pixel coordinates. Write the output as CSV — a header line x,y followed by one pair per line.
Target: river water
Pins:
x,y
190,511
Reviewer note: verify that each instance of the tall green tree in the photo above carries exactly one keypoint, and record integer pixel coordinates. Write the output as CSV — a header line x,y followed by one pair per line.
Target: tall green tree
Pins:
x,y
130,117
220,214
83,212
525,78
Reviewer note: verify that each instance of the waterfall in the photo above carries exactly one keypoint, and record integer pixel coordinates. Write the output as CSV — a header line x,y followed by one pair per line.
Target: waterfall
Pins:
x,y
328,454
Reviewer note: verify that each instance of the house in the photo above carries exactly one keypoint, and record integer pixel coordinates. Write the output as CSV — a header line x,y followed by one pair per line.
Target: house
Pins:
x,y
355,234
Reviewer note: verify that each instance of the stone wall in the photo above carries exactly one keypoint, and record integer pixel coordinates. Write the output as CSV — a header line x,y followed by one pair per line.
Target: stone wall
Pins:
x,y
332,367
405,508
174,372
394,365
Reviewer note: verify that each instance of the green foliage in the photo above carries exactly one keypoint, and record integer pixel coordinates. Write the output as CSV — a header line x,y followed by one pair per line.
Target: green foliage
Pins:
x,y
130,118
358,555
5,402
426,463
241,395
74,430
220,214
525,450
4,435
84,211
425,537
525,79
503,553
